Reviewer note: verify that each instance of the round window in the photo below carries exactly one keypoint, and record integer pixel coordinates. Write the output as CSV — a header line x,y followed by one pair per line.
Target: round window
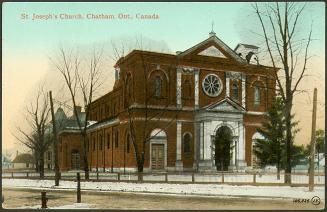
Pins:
x,y
212,85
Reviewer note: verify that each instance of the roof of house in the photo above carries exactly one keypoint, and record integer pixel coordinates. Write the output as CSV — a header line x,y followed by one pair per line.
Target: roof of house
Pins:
x,y
24,158
246,46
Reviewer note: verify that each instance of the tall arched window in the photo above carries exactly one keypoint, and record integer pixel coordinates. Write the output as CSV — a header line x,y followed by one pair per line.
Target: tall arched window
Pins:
x,y
128,140
116,139
256,95
128,90
187,143
157,86
93,144
187,89
235,90
255,161
100,147
108,141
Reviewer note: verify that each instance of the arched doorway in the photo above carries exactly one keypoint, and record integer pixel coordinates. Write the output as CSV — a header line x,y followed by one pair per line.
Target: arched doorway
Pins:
x,y
75,159
158,150
222,148
255,162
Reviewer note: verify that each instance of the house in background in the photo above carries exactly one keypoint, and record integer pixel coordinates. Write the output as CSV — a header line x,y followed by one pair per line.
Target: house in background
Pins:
x,y
6,162
62,121
23,161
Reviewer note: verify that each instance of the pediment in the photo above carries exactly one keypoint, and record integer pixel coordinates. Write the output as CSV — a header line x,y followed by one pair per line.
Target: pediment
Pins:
x,y
212,51
213,47
226,105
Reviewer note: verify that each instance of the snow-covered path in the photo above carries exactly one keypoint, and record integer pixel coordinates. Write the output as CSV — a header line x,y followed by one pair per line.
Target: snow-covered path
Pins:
x,y
187,189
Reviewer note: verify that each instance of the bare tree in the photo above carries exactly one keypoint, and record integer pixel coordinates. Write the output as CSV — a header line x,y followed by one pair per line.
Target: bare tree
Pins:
x,y
82,77
280,24
36,138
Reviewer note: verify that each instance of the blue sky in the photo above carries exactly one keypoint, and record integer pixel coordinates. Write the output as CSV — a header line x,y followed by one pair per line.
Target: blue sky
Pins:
x,y
180,24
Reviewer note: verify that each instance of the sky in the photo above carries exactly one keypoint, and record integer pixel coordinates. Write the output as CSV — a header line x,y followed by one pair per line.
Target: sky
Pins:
x,y
27,44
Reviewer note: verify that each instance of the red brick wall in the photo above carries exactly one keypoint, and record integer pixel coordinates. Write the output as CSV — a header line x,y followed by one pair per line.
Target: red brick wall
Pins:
x,y
144,65
67,143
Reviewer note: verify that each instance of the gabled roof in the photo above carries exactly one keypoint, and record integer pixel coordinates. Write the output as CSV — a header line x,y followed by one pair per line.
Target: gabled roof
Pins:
x,y
226,105
218,42
246,45
24,158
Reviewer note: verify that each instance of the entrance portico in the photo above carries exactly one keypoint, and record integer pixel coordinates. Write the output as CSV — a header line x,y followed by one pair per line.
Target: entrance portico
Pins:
x,y
225,113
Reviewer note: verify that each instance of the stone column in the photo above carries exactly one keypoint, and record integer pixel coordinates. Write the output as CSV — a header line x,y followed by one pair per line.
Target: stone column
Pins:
x,y
179,162
179,88
232,165
243,91
227,84
196,88
196,139
201,129
241,148
206,160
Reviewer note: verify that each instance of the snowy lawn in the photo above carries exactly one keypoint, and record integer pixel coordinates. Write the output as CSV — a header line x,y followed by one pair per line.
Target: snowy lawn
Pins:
x,y
72,206
187,189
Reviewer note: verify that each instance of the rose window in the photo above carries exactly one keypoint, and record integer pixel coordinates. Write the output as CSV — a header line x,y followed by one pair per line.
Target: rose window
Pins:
x,y
212,85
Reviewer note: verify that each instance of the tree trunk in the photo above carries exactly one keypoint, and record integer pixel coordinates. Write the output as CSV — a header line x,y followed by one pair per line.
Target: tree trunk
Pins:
x,y
288,108
278,171
140,166
86,167
41,168
37,168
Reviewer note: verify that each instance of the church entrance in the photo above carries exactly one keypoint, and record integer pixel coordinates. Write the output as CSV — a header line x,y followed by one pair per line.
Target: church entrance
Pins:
x,y
75,159
157,157
222,148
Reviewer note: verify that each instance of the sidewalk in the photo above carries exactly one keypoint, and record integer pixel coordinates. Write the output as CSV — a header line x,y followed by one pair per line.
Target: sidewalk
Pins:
x,y
180,189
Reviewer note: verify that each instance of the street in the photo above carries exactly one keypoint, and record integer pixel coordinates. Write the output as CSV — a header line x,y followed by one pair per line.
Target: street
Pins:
x,y
26,198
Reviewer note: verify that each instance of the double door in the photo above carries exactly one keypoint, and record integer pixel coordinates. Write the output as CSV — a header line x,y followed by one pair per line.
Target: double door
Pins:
x,y
157,157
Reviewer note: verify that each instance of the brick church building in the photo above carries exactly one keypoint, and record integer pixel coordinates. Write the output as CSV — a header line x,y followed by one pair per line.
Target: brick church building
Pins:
x,y
168,109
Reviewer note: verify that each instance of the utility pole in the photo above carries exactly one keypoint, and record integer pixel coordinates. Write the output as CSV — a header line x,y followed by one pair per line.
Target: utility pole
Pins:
x,y
313,139
55,143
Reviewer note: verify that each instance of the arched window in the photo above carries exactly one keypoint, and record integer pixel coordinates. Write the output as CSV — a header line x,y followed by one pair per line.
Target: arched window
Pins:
x,y
108,141
187,143
235,90
187,89
100,147
128,90
256,95
255,162
116,139
128,143
157,86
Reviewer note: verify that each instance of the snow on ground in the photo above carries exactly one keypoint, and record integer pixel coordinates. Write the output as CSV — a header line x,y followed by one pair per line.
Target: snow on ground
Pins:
x,y
261,178
187,189
73,206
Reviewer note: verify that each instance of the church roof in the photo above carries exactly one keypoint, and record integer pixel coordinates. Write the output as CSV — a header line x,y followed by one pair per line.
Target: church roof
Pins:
x,y
214,39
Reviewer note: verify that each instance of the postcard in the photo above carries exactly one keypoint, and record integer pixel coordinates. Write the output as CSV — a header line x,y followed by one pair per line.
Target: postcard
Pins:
x,y
163,105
